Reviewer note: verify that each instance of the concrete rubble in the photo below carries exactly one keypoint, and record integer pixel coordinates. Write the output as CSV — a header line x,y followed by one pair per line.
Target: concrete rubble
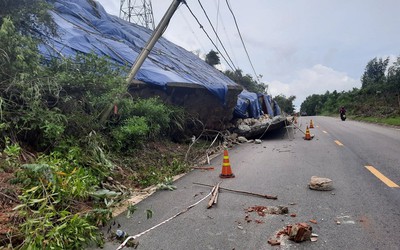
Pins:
x,y
298,232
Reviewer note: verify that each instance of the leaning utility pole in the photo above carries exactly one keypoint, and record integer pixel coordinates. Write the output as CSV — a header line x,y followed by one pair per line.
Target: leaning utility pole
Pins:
x,y
139,12
161,27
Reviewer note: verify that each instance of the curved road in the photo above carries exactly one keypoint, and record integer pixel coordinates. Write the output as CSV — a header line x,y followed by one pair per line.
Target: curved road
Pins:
x,y
362,212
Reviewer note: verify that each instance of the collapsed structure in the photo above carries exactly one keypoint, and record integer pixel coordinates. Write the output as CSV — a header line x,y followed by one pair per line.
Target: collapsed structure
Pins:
x,y
177,76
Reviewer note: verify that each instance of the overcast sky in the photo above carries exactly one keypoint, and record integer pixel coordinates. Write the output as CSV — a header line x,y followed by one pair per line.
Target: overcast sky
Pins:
x,y
300,47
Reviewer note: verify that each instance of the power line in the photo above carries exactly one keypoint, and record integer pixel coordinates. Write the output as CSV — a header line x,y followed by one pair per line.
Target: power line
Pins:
x,y
190,27
217,18
226,33
209,21
241,38
201,27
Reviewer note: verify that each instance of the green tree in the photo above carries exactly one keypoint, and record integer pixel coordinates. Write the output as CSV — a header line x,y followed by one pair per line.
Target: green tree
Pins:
x,y
374,72
212,58
29,15
393,77
19,57
246,81
286,104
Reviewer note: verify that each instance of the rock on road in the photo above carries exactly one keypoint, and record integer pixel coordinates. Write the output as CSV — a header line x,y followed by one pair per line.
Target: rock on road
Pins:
x,y
361,212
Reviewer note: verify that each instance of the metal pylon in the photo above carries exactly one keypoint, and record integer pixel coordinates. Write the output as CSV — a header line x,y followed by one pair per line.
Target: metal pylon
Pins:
x,y
139,12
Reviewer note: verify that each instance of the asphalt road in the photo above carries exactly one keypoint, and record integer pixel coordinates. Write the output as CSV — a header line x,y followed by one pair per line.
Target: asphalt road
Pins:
x,y
365,204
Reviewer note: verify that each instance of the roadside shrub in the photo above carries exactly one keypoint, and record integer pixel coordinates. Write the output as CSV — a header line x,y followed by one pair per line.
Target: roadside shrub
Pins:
x,y
132,133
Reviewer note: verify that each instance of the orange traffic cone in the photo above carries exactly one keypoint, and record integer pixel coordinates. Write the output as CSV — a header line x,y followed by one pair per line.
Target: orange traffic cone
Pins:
x,y
311,124
308,135
226,167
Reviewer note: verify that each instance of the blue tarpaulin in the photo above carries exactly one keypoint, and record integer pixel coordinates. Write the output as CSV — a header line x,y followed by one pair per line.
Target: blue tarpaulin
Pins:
x,y
251,105
247,105
85,27
267,101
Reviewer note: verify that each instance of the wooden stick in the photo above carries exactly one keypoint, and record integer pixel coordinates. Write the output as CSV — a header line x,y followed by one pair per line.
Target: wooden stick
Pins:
x,y
214,195
272,197
204,168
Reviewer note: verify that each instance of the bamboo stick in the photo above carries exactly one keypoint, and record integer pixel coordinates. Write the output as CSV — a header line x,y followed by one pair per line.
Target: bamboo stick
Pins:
x,y
272,197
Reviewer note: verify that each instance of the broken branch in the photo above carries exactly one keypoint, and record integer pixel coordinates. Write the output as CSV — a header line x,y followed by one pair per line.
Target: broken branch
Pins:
x,y
214,195
272,197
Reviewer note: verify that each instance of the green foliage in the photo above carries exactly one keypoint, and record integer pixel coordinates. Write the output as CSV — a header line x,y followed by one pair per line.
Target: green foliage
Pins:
x,y
152,175
145,119
131,209
246,81
132,133
286,104
12,153
49,187
52,111
19,56
29,15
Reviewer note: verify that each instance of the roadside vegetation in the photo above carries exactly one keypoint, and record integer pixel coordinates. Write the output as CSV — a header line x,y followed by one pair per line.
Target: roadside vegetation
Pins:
x,y
378,99
73,142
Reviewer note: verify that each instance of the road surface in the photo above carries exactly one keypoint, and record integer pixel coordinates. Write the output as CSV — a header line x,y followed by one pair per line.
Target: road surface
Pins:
x,y
362,212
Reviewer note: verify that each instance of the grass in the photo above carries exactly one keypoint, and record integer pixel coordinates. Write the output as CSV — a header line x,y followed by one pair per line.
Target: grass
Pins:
x,y
394,121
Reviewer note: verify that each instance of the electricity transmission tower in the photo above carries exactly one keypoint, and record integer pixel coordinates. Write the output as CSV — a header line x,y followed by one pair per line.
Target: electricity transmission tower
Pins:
x,y
137,11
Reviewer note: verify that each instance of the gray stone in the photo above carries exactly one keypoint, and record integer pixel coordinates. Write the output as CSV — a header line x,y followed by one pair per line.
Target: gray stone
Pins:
x,y
244,127
320,183
242,139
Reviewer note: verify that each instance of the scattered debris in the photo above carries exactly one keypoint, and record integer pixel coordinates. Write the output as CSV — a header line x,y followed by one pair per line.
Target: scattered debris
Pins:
x,y
320,183
263,210
314,237
257,141
247,218
299,232
344,219
167,184
313,221
121,236
293,215
241,192
274,242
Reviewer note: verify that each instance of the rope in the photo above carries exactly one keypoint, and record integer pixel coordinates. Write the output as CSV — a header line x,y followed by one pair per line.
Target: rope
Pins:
x,y
159,224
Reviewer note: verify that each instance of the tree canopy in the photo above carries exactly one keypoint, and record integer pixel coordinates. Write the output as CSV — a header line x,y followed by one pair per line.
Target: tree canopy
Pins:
x,y
246,81
212,58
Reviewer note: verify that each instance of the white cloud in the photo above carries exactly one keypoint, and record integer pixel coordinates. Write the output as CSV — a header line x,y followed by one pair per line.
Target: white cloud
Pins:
x,y
315,80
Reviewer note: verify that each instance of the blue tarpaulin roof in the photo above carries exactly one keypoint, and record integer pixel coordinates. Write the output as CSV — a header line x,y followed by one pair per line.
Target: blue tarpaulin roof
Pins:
x,y
84,26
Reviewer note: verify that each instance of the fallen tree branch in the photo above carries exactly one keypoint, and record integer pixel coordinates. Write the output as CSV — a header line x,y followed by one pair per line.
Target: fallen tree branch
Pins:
x,y
272,197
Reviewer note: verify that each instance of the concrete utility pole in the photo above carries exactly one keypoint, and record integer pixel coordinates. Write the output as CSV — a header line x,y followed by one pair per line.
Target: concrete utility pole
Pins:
x,y
139,12
161,27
